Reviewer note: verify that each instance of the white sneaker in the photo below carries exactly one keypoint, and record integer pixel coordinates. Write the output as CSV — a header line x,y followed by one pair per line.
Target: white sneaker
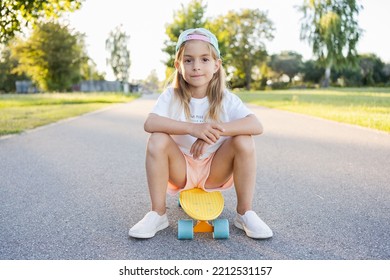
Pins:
x,y
253,226
149,225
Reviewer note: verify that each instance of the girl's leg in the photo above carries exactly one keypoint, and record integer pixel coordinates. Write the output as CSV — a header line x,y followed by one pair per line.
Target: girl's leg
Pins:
x,y
236,156
164,161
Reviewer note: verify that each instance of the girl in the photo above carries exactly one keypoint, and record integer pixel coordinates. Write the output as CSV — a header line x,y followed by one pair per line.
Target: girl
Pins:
x,y
201,137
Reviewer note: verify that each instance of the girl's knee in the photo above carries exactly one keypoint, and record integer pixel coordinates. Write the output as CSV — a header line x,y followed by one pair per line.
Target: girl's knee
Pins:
x,y
158,142
243,143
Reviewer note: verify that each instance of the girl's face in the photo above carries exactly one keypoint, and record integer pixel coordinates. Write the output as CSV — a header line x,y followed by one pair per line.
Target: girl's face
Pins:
x,y
197,66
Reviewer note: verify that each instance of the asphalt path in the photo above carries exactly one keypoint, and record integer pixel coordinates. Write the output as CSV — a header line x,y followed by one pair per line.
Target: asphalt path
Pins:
x,y
71,190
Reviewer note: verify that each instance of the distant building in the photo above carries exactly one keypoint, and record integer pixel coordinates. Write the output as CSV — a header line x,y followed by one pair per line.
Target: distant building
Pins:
x,y
25,86
105,86
93,86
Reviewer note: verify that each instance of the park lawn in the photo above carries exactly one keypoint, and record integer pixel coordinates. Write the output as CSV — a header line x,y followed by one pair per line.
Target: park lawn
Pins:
x,y
19,112
366,107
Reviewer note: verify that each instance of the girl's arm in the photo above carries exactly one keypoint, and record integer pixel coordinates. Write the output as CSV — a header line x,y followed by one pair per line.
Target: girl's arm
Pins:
x,y
156,123
209,132
249,125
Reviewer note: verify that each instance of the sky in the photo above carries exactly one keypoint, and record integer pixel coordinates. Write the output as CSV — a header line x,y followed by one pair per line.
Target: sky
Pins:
x,y
145,22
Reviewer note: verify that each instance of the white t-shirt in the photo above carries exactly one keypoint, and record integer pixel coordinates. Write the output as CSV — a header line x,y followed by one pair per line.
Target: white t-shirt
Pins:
x,y
168,106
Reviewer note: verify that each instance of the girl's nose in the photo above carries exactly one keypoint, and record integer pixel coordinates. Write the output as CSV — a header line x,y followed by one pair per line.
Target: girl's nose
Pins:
x,y
196,66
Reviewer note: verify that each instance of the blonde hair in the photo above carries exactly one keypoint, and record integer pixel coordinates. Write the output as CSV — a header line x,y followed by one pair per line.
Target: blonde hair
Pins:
x,y
215,89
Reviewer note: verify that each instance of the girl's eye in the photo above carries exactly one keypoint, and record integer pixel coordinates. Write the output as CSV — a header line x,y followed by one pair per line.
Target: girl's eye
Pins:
x,y
187,60
206,59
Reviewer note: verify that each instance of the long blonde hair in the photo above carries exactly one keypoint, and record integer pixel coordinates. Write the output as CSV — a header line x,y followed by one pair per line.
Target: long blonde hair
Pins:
x,y
215,89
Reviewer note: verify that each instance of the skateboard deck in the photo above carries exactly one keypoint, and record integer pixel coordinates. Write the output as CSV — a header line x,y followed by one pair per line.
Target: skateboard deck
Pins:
x,y
204,207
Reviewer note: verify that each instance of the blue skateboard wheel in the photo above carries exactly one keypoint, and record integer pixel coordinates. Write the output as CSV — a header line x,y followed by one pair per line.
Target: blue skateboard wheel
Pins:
x,y
185,229
221,229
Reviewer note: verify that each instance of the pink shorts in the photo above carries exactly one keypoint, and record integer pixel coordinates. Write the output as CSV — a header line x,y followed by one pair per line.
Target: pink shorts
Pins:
x,y
197,173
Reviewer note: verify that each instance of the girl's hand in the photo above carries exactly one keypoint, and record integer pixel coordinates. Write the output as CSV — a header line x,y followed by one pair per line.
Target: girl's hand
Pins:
x,y
198,148
208,132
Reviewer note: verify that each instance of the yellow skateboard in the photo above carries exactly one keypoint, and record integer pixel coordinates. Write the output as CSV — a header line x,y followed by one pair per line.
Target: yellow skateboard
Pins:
x,y
204,207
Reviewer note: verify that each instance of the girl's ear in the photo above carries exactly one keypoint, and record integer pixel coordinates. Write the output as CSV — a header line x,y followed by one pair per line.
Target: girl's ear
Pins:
x,y
218,64
177,67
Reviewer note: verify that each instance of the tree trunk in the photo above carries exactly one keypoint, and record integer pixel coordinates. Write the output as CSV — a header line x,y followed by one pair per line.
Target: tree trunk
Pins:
x,y
248,77
326,81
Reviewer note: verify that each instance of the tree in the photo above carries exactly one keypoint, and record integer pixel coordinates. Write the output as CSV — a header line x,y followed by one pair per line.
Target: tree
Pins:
x,y
151,83
119,54
286,63
241,37
386,72
51,56
372,69
16,14
348,77
312,72
88,70
331,28
7,64
191,16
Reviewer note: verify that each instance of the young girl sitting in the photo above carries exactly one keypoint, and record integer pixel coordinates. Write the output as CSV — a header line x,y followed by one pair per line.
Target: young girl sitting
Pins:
x,y
201,137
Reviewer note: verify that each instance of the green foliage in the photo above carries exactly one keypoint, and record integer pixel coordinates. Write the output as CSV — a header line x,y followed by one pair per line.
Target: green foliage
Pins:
x,y
241,35
286,63
191,16
7,77
312,72
51,56
371,71
14,15
332,29
119,54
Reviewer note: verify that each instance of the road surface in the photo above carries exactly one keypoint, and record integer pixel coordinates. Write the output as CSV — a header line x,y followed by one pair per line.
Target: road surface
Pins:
x,y
71,190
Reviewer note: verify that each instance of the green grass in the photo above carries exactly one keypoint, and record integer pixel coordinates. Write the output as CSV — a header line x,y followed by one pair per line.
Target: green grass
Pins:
x,y
367,107
19,112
